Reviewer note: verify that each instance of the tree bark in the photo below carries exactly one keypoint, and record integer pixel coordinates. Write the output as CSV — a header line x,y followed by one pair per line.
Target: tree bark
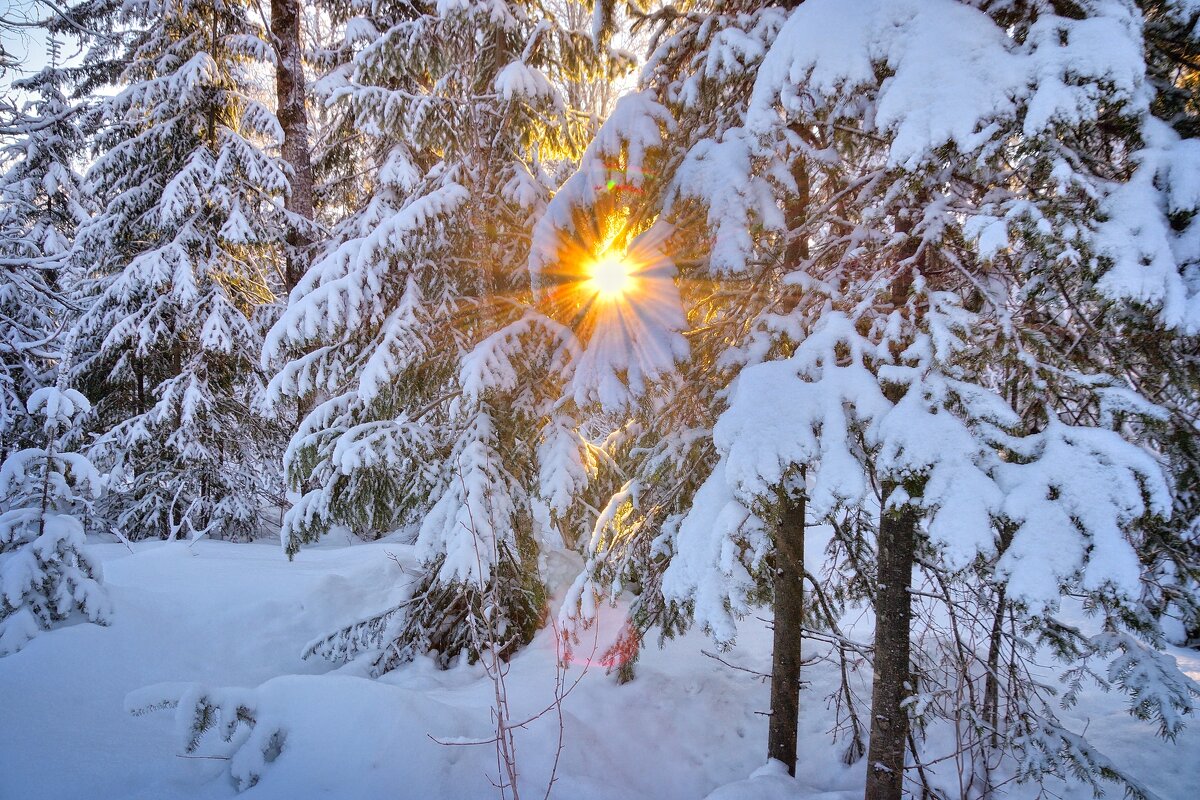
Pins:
x,y
893,605
293,119
893,617
789,627
788,577
991,686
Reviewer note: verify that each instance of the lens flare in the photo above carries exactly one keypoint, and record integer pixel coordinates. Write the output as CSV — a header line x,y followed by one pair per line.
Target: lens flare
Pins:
x,y
610,276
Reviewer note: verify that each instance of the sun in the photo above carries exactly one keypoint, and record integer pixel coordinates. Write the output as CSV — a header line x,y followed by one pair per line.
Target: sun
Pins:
x,y
610,276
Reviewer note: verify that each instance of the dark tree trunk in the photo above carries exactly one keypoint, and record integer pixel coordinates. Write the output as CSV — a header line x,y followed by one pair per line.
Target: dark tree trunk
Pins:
x,y
788,577
212,108
293,118
789,621
893,603
893,616
991,686
140,406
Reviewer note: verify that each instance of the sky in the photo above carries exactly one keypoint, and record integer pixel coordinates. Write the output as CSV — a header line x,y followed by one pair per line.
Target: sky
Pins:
x,y
28,45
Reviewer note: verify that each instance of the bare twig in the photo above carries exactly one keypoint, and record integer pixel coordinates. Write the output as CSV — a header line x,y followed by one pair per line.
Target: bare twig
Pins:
x,y
763,676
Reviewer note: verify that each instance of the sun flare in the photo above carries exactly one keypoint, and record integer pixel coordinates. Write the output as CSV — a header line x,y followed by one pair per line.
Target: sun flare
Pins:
x,y
610,276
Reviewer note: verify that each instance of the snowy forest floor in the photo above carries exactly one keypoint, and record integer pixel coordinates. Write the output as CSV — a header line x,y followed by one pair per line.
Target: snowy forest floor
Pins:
x,y
239,615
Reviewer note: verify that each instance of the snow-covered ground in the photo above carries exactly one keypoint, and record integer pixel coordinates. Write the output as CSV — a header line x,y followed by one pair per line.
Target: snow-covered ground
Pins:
x,y
238,615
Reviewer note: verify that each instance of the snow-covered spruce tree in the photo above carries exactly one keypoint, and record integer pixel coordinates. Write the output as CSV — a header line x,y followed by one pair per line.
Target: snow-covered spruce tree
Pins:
x,y
732,244
946,235
45,577
346,156
1164,368
41,204
677,151
412,336
184,249
341,155
988,320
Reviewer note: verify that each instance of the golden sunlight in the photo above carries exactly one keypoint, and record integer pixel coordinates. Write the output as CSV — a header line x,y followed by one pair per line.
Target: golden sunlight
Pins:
x,y
610,276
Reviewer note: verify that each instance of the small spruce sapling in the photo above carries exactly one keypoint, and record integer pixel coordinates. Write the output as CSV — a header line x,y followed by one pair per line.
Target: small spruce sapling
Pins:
x,y
45,577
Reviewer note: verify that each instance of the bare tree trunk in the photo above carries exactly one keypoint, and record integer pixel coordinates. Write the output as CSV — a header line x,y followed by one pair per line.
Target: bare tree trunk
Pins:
x,y
893,618
893,604
293,118
788,578
789,626
991,686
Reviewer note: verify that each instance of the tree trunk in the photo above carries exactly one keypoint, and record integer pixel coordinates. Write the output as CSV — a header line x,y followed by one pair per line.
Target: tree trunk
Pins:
x,y
293,119
788,578
893,616
991,686
789,621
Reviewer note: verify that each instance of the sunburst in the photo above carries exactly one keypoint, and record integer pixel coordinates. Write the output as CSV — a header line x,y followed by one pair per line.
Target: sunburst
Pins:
x,y
610,276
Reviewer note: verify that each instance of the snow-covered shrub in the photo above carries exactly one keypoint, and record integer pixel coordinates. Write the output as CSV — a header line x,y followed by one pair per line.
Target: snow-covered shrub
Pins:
x,y
231,712
46,579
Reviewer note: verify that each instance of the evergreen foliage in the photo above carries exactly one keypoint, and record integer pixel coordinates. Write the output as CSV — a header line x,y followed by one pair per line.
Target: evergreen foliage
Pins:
x,y
45,492
185,248
412,338
922,273
925,280
42,201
